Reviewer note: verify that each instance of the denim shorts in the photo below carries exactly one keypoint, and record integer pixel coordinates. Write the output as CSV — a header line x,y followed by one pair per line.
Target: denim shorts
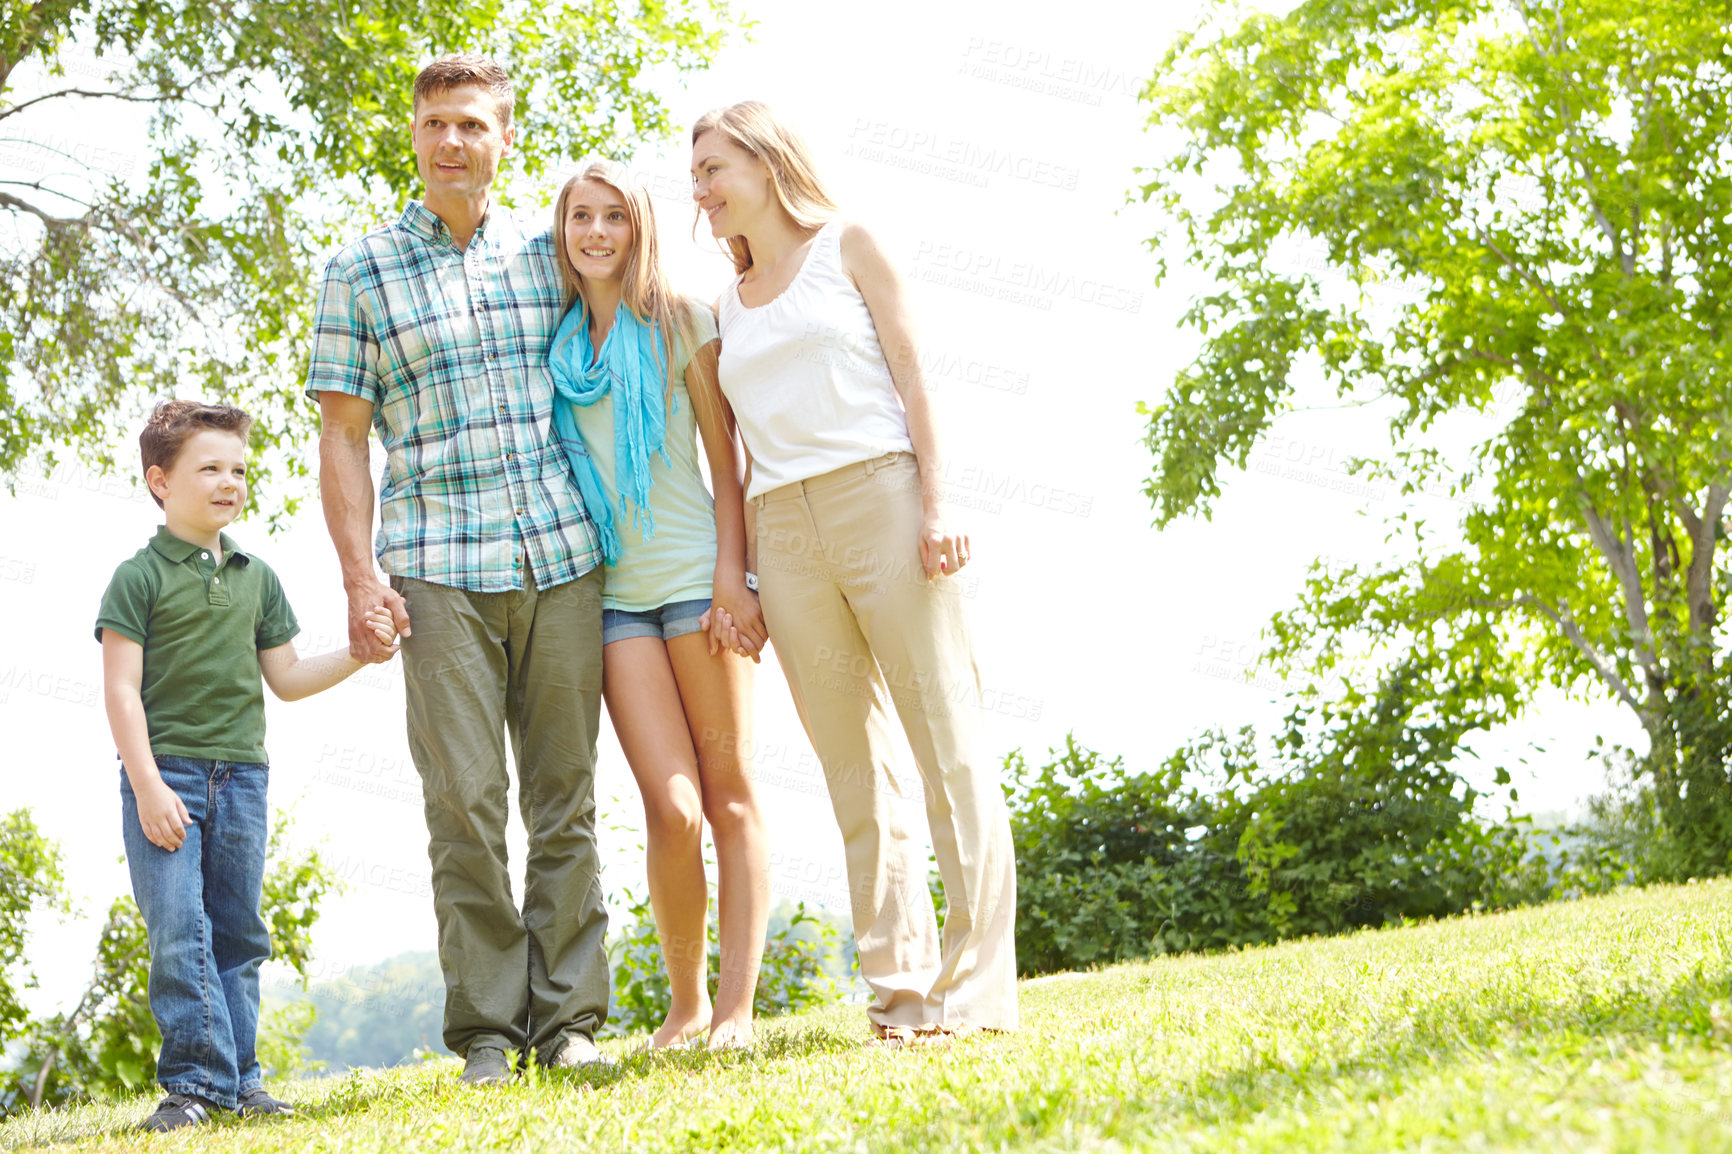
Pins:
x,y
675,619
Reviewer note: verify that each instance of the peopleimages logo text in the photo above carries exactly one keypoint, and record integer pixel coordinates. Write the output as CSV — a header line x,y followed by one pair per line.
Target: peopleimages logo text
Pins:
x,y
879,139
1024,277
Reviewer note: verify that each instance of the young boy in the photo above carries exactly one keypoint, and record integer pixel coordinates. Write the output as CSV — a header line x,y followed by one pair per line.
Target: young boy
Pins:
x,y
187,626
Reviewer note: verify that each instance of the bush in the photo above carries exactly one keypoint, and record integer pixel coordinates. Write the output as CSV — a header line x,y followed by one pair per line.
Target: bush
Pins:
x,y
1363,824
802,955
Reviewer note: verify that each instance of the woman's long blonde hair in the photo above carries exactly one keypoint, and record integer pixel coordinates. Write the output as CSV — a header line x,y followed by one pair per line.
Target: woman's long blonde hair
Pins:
x,y
755,127
645,290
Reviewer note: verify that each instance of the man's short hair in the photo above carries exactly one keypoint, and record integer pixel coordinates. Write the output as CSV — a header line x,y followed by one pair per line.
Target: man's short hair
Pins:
x,y
465,68
173,423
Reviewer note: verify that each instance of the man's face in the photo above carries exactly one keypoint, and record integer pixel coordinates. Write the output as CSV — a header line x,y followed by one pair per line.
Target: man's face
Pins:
x,y
459,140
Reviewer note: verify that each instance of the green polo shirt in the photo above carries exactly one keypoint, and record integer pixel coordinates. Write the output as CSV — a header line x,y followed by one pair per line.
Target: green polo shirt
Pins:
x,y
202,626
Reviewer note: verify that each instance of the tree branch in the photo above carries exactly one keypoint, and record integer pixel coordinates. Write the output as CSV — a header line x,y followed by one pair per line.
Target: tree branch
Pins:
x,y
85,92
1699,575
40,187
1620,555
1509,263
1565,620
7,199
177,93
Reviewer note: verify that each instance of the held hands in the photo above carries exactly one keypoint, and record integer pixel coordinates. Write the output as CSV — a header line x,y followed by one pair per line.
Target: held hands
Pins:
x,y
735,621
384,627
163,815
369,640
942,551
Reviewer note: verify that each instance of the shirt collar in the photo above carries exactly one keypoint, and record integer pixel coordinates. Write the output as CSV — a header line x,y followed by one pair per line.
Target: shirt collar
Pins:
x,y
423,222
177,550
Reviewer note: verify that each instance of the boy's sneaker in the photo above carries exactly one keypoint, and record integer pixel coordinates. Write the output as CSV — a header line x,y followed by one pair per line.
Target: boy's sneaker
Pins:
x,y
179,1110
257,1102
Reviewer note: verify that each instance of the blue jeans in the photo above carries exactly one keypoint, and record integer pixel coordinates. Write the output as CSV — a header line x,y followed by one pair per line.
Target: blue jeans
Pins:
x,y
207,940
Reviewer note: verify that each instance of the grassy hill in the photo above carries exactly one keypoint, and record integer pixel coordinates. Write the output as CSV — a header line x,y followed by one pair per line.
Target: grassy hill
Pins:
x,y
1601,1025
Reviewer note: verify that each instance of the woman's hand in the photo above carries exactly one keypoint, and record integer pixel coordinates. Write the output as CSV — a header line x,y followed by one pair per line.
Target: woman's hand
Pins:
x,y
735,620
942,551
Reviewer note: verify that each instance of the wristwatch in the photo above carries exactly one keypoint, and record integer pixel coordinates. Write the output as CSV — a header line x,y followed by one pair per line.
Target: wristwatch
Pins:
x,y
752,582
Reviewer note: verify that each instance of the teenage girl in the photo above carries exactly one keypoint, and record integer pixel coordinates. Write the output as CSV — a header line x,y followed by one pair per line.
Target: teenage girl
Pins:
x,y
634,367
854,555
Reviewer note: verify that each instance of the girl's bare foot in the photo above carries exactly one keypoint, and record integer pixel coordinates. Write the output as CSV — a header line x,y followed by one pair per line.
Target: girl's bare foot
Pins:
x,y
680,1028
732,1034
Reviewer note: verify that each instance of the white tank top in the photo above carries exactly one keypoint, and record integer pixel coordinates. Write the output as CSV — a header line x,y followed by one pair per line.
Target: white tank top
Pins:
x,y
806,376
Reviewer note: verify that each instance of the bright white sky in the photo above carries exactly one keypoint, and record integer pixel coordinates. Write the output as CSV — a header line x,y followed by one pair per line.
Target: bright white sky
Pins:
x,y
992,151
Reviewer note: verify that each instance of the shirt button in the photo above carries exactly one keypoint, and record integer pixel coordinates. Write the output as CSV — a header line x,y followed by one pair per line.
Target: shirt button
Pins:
x,y
520,512
216,580
501,407
206,556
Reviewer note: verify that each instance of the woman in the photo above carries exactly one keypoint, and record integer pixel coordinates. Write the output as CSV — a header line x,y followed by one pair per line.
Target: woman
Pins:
x,y
853,556
634,366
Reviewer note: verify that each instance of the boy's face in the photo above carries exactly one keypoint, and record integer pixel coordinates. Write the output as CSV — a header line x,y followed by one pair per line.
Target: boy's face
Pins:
x,y
205,487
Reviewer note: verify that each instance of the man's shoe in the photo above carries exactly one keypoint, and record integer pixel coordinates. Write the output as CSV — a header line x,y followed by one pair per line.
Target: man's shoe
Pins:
x,y
179,1110
256,1103
579,1053
485,1066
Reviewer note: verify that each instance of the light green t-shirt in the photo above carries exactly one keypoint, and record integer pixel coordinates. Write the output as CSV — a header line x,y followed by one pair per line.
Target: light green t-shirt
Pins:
x,y
679,562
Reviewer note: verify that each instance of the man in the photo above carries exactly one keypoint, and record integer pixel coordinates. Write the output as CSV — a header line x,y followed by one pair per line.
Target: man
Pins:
x,y
434,331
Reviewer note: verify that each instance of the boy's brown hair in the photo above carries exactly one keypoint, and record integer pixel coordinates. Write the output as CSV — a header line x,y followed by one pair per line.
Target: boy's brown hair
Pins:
x,y
173,423
465,68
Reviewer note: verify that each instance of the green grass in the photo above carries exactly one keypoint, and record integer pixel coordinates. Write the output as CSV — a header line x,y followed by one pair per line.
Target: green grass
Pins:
x,y
1600,1025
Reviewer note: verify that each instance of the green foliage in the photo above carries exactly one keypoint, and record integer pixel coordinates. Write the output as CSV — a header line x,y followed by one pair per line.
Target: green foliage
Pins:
x,y
801,955
1546,185
276,128
1113,865
1360,822
283,1049
293,888
30,879
106,1044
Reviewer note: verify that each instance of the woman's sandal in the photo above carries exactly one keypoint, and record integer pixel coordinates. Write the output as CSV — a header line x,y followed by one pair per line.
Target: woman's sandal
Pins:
x,y
896,1037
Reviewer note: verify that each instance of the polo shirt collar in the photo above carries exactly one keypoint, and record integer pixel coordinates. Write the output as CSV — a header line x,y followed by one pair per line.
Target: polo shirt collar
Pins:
x,y
420,221
177,550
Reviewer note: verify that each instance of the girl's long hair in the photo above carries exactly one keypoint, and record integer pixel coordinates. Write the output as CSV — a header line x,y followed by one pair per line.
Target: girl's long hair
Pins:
x,y
645,290
755,127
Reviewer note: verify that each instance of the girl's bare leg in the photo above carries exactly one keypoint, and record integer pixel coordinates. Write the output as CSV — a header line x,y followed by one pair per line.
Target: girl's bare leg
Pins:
x,y
643,701
717,694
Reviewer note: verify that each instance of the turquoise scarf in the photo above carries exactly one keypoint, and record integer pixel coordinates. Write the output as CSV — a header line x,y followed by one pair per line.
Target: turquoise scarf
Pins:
x,y
630,366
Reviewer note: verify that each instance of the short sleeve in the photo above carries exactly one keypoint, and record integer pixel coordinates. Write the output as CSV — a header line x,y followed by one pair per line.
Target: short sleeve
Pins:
x,y
127,602
703,327
277,624
703,323
345,356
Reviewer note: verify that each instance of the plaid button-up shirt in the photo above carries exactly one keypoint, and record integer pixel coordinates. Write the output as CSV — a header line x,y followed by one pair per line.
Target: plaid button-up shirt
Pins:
x,y
450,346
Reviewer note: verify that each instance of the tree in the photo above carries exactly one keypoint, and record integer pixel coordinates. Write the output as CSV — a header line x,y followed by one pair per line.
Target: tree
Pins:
x,y
276,128
1554,180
